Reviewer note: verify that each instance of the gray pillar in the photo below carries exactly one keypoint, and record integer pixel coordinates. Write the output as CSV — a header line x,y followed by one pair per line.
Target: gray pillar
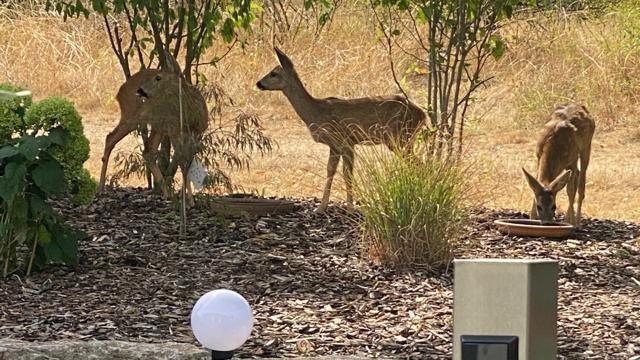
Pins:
x,y
506,297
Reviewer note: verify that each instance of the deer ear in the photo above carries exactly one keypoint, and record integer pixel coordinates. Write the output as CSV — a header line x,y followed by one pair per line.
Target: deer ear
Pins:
x,y
286,63
533,183
171,63
560,181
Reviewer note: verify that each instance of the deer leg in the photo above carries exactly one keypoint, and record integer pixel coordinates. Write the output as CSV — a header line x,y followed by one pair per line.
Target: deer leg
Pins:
x,y
572,186
114,137
185,165
185,180
584,164
151,157
332,166
347,170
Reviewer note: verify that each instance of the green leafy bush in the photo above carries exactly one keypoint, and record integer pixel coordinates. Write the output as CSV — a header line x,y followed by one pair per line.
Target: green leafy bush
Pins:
x,y
29,175
60,112
10,108
19,114
412,209
84,188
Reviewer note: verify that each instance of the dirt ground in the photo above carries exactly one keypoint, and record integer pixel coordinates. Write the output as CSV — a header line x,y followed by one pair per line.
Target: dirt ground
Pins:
x,y
311,291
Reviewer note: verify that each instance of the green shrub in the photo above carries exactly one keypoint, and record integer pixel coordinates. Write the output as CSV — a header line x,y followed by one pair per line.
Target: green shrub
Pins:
x,y
9,111
58,111
29,175
47,114
412,209
84,187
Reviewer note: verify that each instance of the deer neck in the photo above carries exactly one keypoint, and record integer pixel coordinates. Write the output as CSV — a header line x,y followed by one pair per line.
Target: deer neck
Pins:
x,y
305,105
548,169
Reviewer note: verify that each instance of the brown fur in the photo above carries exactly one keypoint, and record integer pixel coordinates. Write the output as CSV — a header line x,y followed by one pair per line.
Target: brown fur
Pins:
x,y
343,123
564,140
160,109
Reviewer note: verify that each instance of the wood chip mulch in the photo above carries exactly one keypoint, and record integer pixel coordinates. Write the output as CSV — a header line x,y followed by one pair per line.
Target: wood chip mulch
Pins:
x,y
311,291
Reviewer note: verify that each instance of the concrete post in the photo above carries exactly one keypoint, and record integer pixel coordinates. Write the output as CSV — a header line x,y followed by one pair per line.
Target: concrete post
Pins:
x,y
506,297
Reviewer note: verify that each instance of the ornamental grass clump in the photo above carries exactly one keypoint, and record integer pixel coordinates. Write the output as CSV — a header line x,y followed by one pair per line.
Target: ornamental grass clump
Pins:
x,y
413,208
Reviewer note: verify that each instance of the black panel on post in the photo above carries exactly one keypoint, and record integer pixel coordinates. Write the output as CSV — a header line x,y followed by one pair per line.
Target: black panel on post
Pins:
x,y
489,347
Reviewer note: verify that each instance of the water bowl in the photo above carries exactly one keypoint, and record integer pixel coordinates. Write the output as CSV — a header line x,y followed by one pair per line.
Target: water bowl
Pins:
x,y
533,228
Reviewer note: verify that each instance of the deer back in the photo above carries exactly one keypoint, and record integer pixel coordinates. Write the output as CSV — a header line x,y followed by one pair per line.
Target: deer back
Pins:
x,y
562,141
380,119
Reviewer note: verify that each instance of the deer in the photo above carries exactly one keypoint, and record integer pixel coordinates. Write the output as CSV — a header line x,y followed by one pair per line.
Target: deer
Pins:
x,y
564,140
343,123
151,97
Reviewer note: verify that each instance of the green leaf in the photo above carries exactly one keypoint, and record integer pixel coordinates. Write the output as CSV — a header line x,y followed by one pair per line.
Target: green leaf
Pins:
x,y
69,246
308,4
44,236
29,147
20,209
100,7
58,135
8,151
424,13
38,206
43,141
49,177
497,47
227,31
12,182
63,246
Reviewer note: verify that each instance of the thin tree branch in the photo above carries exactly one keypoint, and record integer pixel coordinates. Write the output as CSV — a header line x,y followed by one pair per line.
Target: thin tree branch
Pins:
x,y
389,44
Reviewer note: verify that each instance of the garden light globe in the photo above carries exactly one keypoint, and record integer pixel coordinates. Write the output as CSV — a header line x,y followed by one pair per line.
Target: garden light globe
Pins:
x,y
221,320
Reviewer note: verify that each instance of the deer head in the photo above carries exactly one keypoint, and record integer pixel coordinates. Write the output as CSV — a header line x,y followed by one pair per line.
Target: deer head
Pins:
x,y
168,77
545,195
280,77
163,82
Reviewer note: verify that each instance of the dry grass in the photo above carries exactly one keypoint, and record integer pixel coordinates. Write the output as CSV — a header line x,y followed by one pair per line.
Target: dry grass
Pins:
x,y
592,61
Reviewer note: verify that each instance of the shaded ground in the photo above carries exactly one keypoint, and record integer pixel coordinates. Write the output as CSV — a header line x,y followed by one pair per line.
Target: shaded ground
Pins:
x,y
311,293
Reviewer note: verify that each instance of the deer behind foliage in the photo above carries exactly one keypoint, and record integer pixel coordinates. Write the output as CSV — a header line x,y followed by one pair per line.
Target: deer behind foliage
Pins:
x,y
343,123
151,98
565,140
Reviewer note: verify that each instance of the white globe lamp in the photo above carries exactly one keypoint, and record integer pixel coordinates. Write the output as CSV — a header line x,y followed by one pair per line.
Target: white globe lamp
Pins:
x,y
221,321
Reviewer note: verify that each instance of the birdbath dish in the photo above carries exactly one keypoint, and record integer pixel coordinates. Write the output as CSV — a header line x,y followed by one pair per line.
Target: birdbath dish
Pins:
x,y
236,204
533,228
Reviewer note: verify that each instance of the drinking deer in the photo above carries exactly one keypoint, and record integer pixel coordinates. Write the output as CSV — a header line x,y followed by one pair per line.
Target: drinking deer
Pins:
x,y
343,123
564,140
151,97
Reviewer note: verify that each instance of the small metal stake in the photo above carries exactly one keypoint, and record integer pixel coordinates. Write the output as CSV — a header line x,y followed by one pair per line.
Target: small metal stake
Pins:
x,y
221,355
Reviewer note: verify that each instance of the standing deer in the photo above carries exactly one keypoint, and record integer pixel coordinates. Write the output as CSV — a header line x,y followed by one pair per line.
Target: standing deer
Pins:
x,y
564,139
343,123
151,97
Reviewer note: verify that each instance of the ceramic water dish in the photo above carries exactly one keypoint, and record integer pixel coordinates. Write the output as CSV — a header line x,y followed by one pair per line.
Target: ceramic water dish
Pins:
x,y
533,228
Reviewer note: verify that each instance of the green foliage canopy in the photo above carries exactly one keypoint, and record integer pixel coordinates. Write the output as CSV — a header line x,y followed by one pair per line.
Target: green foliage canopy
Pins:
x,y
454,39
174,25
